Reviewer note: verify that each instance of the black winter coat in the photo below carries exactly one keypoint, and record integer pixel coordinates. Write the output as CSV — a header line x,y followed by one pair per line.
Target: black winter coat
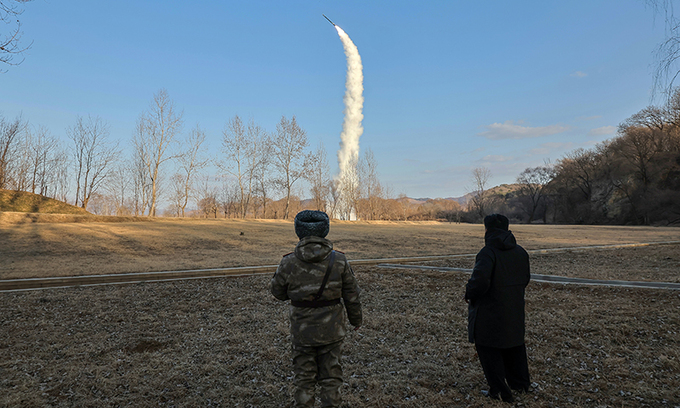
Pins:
x,y
496,292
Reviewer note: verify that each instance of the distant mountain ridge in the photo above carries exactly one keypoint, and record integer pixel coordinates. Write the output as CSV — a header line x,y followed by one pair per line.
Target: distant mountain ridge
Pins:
x,y
502,189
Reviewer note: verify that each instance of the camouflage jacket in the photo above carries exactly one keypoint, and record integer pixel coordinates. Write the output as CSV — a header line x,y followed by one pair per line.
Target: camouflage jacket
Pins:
x,y
299,277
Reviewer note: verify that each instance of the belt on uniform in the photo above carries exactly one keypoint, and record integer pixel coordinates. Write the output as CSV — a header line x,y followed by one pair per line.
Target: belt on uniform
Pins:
x,y
314,303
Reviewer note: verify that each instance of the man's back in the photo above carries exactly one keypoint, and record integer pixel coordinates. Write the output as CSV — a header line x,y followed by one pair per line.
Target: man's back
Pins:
x,y
318,281
299,277
496,292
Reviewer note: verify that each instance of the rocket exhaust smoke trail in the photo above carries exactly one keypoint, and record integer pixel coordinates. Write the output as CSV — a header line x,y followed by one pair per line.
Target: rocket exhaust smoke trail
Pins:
x,y
348,155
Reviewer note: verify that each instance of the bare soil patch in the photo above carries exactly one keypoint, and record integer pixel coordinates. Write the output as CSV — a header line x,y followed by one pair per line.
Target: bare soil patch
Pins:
x,y
75,249
224,342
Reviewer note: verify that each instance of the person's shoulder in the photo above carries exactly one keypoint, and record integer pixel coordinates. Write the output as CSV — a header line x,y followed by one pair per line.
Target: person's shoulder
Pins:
x,y
521,249
288,258
486,250
340,255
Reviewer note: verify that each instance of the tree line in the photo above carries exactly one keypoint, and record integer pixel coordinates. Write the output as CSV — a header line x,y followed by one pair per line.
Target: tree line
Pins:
x,y
634,178
166,164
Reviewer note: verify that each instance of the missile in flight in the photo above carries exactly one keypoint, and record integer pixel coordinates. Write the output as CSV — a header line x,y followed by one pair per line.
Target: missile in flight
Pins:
x,y
329,20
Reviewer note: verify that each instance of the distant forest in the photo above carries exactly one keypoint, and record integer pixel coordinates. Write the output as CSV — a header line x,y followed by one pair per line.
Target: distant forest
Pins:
x,y
632,179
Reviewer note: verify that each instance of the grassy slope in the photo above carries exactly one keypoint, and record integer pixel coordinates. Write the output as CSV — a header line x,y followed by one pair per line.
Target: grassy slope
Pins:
x,y
21,201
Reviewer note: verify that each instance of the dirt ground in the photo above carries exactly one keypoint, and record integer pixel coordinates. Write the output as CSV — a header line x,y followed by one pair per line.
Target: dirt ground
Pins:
x,y
29,250
224,341
654,263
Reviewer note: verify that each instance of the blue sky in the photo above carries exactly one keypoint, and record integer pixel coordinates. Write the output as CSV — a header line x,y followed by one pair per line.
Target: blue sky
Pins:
x,y
448,85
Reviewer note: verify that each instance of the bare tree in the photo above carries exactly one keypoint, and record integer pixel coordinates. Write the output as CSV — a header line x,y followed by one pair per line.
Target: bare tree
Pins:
x,y
157,130
40,148
533,184
10,133
118,187
20,179
262,175
207,203
480,199
405,207
290,160
9,43
33,161
141,183
177,195
101,204
94,156
319,178
60,175
580,166
44,165
190,162
242,147
373,188
668,51
638,145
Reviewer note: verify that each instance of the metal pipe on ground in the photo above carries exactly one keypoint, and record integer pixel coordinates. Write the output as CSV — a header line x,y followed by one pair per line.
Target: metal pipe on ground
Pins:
x,y
8,285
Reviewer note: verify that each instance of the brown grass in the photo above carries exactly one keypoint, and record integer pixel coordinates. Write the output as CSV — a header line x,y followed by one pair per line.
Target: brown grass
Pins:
x,y
654,263
224,341
11,218
72,249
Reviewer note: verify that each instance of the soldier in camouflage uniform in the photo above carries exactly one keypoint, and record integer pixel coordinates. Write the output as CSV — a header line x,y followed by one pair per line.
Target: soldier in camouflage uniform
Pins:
x,y
317,323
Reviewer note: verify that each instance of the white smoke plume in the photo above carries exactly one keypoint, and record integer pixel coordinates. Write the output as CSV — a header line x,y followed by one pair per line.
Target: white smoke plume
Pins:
x,y
348,155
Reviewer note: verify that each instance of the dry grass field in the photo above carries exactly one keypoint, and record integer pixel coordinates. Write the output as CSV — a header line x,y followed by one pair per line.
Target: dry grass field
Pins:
x,y
29,250
224,341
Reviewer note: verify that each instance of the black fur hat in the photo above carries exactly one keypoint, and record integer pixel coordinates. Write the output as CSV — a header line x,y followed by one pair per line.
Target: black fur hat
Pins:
x,y
310,222
497,221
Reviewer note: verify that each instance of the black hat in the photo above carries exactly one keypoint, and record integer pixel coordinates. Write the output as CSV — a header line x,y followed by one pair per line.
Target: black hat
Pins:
x,y
310,222
497,221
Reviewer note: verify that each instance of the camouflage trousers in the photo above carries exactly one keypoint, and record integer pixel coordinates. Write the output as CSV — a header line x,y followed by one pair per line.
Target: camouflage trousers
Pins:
x,y
317,365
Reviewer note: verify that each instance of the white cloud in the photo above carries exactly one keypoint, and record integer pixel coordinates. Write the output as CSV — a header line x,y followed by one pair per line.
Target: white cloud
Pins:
x,y
602,131
579,74
512,130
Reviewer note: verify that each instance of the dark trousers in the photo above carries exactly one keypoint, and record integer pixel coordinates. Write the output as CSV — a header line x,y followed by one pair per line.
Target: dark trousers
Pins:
x,y
504,369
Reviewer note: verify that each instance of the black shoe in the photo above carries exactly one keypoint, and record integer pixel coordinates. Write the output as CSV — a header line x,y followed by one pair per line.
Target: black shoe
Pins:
x,y
507,398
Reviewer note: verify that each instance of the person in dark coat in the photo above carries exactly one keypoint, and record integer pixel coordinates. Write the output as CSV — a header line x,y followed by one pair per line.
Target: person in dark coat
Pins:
x,y
495,295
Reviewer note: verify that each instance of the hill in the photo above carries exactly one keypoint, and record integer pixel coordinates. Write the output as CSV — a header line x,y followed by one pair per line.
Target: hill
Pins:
x,y
502,190
21,201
